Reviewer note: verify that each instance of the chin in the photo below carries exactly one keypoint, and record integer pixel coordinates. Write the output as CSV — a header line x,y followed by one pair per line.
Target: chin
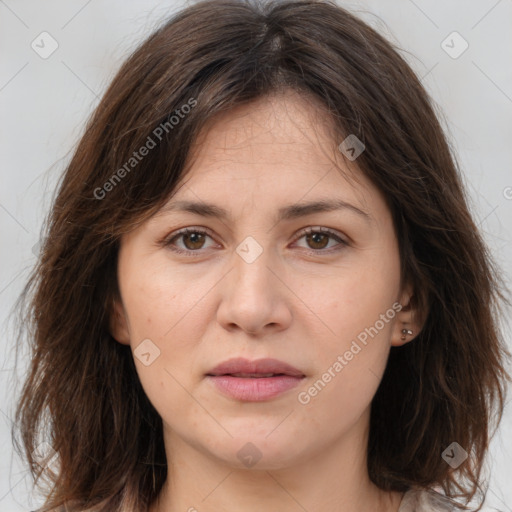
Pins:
x,y
261,452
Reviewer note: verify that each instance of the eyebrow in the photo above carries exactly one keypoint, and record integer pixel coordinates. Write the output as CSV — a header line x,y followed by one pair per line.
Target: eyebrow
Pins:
x,y
289,212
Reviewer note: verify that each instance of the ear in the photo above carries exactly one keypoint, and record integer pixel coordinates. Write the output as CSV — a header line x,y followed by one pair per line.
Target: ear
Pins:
x,y
409,320
119,323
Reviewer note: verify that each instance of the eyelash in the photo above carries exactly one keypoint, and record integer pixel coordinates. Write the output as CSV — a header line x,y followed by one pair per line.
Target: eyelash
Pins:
x,y
168,241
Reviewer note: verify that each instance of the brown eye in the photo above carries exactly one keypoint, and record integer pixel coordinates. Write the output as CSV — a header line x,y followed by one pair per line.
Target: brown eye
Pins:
x,y
317,240
193,240
188,241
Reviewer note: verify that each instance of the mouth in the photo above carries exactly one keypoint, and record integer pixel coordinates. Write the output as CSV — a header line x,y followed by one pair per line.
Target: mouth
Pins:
x,y
258,368
251,375
254,381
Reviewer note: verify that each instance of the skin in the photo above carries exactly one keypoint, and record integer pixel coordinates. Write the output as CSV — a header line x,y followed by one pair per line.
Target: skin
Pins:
x,y
292,303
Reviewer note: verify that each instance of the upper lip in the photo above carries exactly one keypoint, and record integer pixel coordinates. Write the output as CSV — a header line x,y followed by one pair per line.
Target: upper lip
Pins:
x,y
264,366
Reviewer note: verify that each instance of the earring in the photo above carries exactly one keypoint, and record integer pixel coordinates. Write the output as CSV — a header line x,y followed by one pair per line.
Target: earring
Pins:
x,y
405,332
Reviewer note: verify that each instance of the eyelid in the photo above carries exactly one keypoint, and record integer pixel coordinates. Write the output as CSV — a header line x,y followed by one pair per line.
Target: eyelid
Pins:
x,y
167,239
320,229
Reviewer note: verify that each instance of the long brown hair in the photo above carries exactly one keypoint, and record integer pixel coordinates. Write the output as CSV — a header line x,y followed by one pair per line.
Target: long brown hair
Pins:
x,y
82,388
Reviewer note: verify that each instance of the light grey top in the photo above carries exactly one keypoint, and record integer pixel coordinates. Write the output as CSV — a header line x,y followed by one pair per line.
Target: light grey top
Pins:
x,y
417,500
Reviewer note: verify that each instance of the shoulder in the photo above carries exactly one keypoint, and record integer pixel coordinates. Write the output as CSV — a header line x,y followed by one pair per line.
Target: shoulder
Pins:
x,y
422,500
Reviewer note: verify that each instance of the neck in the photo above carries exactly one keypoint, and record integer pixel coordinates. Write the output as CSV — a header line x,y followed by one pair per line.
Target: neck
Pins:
x,y
333,480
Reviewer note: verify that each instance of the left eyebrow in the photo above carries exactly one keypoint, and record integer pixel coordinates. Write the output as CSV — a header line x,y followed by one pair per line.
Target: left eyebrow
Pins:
x,y
289,212
298,210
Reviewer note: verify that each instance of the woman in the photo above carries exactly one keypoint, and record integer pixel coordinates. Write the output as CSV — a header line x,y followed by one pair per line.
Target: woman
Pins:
x,y
261,287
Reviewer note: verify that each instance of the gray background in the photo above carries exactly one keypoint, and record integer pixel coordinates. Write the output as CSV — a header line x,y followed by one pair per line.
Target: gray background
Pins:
x,y
44,103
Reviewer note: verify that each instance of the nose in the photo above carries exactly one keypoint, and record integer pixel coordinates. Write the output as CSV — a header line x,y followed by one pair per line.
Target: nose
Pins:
x,y
254,298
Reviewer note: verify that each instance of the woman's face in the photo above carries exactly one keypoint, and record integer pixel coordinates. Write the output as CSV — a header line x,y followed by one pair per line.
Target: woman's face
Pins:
x,y
261,276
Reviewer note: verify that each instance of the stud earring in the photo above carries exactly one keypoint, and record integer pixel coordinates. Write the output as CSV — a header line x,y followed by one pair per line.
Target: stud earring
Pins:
x,y
405,332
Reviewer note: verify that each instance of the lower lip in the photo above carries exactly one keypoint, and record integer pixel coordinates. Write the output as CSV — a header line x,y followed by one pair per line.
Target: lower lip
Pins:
x,y
253,389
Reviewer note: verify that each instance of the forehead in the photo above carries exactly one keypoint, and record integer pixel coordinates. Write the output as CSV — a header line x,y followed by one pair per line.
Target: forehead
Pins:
x,y
286,142
282,119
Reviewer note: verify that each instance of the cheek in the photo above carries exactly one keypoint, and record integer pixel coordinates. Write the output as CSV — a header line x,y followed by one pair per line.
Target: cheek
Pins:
x,y
357,319
352,301
159,298
154,307
172,309
348,370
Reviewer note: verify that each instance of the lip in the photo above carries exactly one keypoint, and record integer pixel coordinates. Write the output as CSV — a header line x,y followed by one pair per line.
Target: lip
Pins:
x,y
250,387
